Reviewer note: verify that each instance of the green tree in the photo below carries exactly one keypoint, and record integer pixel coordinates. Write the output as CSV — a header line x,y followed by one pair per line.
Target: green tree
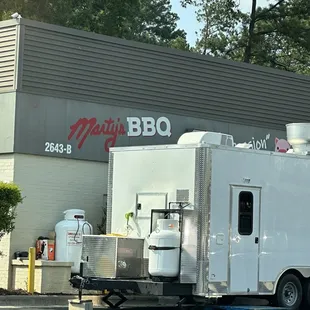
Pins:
x,y
10,197
276,36
148,21
285,34
180,43
219,20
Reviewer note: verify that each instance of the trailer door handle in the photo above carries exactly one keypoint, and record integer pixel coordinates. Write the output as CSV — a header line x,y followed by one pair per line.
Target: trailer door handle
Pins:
x,y
256,239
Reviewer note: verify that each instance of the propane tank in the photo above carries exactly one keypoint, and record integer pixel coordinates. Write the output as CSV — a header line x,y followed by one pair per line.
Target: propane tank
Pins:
x,y
164,250
69,237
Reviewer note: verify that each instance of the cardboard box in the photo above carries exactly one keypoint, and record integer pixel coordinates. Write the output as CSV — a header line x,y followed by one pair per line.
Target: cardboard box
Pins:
x,y
45,249
51,250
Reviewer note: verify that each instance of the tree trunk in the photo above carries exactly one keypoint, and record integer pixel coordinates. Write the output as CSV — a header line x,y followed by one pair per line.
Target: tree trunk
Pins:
x,y
248,49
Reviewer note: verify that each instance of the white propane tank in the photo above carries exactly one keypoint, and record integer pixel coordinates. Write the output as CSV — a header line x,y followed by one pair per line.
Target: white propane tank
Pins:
x,y
69,237
164,249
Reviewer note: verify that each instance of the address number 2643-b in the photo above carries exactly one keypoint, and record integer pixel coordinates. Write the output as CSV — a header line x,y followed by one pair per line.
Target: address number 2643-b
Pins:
x,y
60,148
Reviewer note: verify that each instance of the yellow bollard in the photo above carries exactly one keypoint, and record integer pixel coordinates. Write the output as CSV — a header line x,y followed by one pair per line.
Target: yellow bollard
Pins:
x,y
31,269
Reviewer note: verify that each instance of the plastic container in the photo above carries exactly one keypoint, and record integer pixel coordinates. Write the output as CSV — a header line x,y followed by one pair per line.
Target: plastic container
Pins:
x,y
69,234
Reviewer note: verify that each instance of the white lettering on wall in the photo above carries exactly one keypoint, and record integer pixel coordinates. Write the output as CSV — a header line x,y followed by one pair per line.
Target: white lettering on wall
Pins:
x,y
259,144
148,126
166,132
134,126
60,148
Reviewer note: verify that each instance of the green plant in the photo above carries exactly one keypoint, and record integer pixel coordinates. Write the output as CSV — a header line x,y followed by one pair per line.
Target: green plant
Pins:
x,y
10,197
102,227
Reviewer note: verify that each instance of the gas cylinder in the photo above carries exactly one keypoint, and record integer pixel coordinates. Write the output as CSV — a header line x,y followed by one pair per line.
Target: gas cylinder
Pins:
x,y
69,234
164,250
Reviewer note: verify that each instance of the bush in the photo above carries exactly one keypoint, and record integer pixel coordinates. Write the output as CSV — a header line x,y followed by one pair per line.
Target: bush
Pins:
x,y
102,227
10,197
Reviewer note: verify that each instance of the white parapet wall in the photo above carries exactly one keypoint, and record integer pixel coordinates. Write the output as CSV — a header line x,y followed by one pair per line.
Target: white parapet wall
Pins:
x,y
6,175
50,277
49,186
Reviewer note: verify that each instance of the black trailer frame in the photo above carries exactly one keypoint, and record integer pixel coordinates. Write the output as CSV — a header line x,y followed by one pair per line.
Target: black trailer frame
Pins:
x,y
117,287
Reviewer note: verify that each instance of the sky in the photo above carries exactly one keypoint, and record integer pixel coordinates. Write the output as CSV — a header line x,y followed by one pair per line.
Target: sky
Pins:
x,y
188,20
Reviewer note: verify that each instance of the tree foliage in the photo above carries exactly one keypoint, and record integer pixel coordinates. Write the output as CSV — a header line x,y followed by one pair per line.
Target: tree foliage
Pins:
x,y
276,36
148,21
10,197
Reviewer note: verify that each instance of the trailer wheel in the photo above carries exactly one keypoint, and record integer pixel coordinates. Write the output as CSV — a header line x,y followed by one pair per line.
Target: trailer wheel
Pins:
x,y
306,294
226,300
289,292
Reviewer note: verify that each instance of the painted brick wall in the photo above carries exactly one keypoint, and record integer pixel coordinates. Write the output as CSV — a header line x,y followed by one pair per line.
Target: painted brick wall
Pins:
x,y
6,174
7,121
51,186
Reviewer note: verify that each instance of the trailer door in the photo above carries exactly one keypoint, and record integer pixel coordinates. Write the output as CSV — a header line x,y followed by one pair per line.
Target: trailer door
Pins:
x,y
244,239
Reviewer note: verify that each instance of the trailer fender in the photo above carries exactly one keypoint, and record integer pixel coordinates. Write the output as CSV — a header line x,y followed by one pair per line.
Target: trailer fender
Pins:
x,y
301,272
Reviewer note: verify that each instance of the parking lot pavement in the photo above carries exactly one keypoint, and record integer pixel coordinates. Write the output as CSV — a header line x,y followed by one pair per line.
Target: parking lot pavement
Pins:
x,y
34,308
42,308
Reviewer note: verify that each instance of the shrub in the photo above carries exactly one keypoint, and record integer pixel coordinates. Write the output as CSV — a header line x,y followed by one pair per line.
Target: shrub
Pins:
x,y
10,197
102,227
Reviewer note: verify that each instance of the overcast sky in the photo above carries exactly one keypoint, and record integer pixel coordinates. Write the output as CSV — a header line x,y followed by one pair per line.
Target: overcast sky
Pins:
x,y
188,20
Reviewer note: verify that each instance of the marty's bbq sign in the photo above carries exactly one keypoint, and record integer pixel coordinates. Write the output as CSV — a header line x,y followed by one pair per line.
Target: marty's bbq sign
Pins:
x,y
110,130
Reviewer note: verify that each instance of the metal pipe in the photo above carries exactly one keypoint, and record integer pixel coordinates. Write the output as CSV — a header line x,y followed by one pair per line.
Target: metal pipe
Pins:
x,y
31,269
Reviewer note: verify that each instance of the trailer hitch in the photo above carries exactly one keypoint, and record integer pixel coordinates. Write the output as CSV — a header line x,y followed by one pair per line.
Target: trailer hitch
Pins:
x,y
111,293
81,287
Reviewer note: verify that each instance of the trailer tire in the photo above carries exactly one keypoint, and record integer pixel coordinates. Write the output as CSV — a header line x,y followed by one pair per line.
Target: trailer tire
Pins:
x,y
306,294
289,292
226,300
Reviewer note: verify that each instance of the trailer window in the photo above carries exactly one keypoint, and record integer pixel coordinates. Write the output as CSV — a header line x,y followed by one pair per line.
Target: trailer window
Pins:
x,y
245,223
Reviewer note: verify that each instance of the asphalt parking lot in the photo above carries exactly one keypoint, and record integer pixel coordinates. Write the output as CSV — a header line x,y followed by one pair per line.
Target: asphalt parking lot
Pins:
x,y
35,308
41,308
243,303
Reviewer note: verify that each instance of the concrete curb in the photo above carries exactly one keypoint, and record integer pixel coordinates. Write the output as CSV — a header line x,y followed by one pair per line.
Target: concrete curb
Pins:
x,y
42,300
62,300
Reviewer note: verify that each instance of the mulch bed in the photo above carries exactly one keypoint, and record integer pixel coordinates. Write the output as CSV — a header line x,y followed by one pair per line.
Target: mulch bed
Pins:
x,y
19,292
4,292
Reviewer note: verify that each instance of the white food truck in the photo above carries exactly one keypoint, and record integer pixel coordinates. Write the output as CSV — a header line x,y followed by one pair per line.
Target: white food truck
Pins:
x,y
243,217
